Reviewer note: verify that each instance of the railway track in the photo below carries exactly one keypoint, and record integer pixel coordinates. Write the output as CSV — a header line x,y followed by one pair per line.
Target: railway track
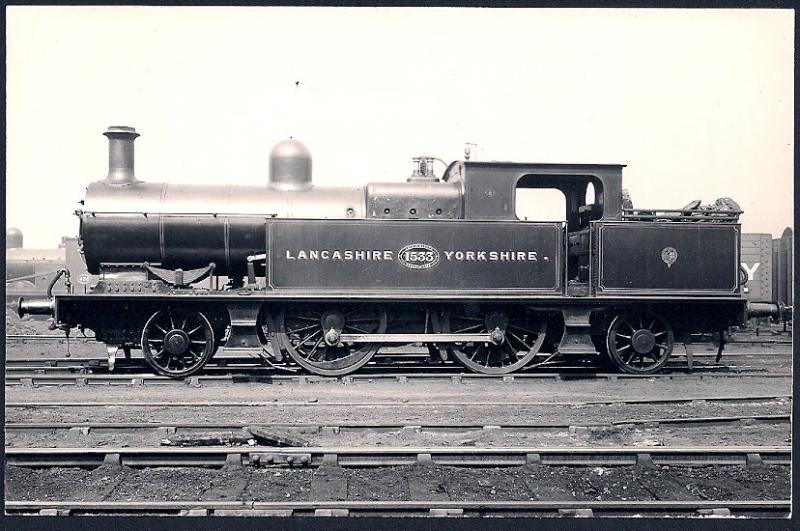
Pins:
x,y
10,338
350,456
38,377
409,361
696,508
162,428
402,366
390,405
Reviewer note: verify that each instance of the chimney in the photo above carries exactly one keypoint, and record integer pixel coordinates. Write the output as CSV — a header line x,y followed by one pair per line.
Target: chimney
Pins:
x,y
120,155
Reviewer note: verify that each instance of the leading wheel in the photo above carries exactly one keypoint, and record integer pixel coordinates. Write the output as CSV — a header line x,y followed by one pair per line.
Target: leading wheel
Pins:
x,y
639,342
310,335
521,334
177,343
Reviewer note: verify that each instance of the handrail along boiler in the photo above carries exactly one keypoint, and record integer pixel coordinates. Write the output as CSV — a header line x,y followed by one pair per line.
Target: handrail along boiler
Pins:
x,y
324,276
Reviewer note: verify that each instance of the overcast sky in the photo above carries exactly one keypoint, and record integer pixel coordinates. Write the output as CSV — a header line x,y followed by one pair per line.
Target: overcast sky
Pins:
x,y
698,103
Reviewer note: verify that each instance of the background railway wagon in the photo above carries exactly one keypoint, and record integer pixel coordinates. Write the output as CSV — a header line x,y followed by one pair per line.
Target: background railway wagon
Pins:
x,y
756,258
782,268
768,264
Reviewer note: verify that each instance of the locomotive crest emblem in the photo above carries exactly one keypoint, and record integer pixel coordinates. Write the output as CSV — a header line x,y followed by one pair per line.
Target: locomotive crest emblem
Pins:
x,y
418,256
669,255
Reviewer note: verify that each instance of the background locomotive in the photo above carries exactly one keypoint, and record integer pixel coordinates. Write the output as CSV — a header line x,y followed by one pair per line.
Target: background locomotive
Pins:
x,y
329,274
29,271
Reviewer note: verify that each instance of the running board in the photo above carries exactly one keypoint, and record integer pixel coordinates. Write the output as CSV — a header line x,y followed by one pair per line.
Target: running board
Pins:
x,y
415,338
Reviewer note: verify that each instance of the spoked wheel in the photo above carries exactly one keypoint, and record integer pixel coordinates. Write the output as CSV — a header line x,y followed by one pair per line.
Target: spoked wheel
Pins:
x,y
311,336
518,337
177,343
639,342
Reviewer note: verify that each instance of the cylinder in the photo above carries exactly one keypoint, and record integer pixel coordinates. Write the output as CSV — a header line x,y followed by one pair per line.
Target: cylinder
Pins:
x,y
120,155
13,238
290,166
765,309
36,306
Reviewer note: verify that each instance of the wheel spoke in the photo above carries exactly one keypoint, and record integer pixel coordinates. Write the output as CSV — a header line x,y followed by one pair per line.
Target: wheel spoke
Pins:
x,y
357,329
526,330
475,352
487,358
304,328
511,334
301,318
462,330
623,335
194,330
316,346
161,329
512,352
309,337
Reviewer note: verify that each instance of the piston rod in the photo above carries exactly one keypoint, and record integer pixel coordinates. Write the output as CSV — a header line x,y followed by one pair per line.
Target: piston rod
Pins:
x,y
415,338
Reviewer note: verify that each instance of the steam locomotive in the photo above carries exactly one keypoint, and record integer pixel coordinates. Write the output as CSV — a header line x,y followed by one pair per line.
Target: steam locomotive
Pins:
x,y
325,276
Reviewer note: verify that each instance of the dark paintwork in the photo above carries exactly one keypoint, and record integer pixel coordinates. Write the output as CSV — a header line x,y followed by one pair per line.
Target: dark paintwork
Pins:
x,y
490,187
472,209
630,257
391,236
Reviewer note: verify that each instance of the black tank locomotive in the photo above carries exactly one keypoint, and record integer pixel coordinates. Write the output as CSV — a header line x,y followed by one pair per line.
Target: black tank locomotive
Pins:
x,y
327,275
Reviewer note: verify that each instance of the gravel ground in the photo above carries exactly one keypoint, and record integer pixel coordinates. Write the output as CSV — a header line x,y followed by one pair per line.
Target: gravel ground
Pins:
x,y
489,403
754,434
438,391
416,402
400,483
27,324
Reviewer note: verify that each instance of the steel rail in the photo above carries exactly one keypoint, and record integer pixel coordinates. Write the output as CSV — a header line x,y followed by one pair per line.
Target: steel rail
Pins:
x,y
46,337
52,337
254,366
395,404
579,508
408,359
36,379
397,456
354,426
